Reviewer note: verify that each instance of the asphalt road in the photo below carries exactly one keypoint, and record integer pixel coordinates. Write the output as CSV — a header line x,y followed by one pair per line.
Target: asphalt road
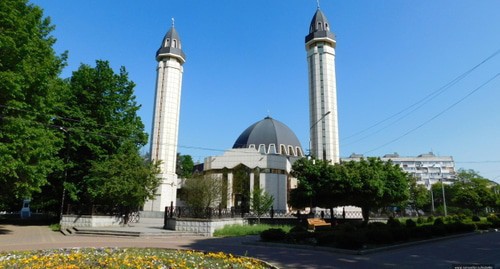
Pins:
x,y
479,249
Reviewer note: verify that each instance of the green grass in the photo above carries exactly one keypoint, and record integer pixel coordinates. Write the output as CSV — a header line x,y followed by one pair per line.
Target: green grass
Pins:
x,y
242,230
56,227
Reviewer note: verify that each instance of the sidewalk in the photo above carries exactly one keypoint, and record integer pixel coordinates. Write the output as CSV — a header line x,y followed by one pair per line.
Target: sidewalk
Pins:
x,y
478,249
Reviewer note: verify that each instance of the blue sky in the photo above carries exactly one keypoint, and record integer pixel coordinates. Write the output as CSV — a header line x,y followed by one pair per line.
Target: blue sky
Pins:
x,y
246,60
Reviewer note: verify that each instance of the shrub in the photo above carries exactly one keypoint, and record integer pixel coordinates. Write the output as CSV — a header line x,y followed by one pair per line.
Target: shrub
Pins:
x,y
393,222
347,227
349,240
495,223
483,225
299,234
401,233
410,223
272,235
376,225
326,238
438,230
420,220
459,227
491,218
430,219
379,235
475,218
438,221
422,232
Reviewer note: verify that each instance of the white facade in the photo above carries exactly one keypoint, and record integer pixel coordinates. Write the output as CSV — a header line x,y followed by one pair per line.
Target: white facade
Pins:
x,y
271,172
320,47
427,168
166,119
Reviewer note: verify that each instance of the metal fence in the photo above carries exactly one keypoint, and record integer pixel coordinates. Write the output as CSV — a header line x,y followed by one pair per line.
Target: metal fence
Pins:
x,y
103,210
218,213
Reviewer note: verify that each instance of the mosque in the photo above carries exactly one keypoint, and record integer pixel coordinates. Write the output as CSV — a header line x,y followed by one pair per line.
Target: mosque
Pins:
x,y
262,156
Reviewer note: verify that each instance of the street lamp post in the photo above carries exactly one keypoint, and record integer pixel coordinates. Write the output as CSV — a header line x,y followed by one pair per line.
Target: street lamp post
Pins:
x,y
312,126
429,186
444,198
441,179
66,160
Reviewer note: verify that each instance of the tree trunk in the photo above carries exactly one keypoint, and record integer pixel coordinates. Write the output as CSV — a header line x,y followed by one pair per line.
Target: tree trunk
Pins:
x,y
365,211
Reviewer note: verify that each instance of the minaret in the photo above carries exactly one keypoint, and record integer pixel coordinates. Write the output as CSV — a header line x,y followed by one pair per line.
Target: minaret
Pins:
x,y
165,131
320,47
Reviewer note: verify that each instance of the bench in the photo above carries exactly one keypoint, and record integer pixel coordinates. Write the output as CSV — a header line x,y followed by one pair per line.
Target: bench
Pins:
x,y
314,223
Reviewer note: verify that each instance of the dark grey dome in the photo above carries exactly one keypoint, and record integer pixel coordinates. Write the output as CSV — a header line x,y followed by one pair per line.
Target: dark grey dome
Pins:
x,y
271,137
171,46
319,27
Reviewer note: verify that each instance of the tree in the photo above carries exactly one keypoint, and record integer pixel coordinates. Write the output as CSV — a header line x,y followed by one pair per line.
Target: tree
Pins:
x,y
376,184
419,196
185,166
473,192
29,97
321,184
124,180
101,119
202,192
261,202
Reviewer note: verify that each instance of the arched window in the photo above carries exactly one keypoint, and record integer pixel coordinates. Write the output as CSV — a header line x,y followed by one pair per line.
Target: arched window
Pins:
x,y
167,42
291,151
299,152
175,43
319,26
272,149
283,149
262,148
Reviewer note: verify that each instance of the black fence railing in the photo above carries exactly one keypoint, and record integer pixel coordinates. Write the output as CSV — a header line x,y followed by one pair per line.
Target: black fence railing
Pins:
x,y
102,210
218,213
202,212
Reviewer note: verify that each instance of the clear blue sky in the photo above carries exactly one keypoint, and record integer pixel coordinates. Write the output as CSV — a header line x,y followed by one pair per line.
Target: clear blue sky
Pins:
x,y
246,60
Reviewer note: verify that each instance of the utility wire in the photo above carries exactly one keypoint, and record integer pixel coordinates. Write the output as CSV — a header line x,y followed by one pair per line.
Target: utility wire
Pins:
x,y
419,103
437,115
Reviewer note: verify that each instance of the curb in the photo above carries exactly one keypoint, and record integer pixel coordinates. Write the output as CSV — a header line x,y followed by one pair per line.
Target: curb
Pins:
x,y
366,251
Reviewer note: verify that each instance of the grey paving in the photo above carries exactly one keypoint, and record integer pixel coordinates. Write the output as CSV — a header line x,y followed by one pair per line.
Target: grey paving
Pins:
x,y
474,249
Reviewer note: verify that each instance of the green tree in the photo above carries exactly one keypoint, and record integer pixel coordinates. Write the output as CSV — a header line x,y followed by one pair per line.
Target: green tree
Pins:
x,y
124,180
321,184
419,196
29,97
185,166
376,184
261,202
437,194
202,192
368,184
473,192
100,118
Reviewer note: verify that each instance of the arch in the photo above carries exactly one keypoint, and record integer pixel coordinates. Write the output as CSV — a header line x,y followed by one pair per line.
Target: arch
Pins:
x,y
272,149
283,150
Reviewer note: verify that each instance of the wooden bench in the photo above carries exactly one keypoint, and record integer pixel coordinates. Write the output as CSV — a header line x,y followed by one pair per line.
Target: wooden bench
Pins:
x,y
314,223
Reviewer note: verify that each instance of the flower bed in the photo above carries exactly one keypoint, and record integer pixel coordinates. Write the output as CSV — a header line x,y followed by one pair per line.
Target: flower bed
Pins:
x,y
125,258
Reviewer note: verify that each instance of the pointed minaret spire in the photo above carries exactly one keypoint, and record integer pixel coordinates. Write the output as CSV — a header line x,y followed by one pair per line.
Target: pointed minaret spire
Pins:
x,y
164,136
320,47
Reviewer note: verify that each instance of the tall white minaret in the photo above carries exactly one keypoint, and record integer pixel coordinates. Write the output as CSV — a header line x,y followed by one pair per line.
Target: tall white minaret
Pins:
x,y
323,123
165,131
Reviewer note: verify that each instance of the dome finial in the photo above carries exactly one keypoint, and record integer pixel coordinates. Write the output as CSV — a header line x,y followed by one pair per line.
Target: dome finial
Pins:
x,y
173,22
317,1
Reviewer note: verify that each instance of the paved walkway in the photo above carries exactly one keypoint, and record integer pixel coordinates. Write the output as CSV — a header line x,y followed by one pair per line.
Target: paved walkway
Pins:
x,y
478,249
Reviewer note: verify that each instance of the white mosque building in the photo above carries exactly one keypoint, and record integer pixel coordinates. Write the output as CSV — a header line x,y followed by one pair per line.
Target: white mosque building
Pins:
x,y
262,156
